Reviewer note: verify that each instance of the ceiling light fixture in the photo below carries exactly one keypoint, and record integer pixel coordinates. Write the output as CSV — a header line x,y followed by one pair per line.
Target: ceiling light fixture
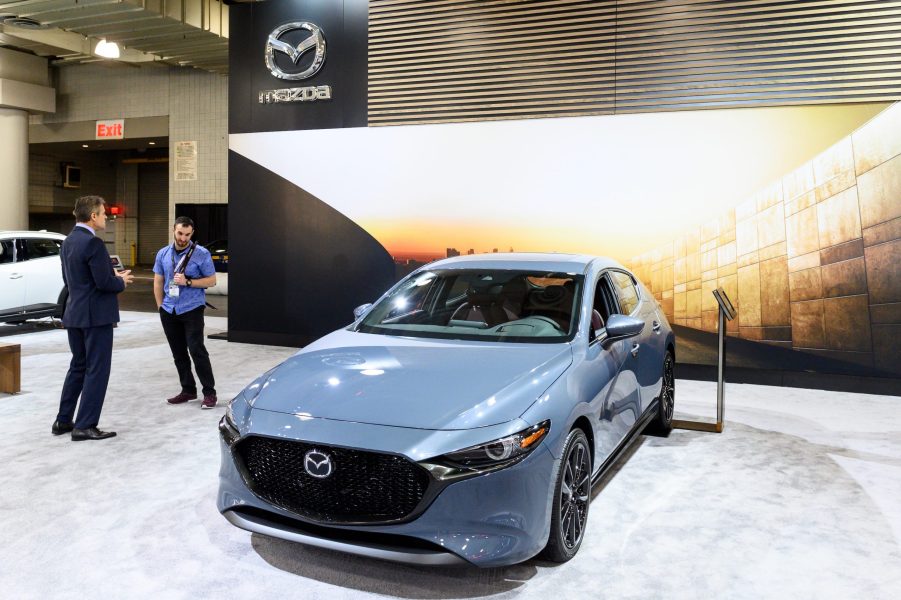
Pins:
x,y
107,49
84,145
23,22
152,143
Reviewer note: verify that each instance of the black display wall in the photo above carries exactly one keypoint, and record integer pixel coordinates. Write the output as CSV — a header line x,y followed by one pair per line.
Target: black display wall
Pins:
x,y
344,25
297,267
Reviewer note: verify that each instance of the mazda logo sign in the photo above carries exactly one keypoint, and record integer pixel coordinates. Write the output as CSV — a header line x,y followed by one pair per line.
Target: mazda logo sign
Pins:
x,y
275,44
317,464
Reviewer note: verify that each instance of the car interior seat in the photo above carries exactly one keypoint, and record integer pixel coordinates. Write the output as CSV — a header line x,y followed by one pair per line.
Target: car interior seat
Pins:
x,y
482,305
513,297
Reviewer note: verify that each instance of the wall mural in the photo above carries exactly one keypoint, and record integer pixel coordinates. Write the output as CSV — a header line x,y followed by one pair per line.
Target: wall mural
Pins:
x,y
811,261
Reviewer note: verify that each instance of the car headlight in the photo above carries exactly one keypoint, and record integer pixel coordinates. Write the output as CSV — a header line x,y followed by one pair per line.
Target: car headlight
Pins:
x,y
488,457
230,414
228,429
253,390
228,426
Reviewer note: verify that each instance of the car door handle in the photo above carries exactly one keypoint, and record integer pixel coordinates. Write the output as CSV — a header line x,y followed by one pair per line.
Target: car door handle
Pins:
x,y
635,348
16,276
656,327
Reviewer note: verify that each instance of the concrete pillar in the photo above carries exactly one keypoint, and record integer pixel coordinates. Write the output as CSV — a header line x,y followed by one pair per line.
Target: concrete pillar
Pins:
x,y
13,169
24,89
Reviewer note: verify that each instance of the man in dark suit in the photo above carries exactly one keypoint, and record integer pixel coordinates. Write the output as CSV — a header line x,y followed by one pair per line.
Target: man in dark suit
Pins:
x,y
91,311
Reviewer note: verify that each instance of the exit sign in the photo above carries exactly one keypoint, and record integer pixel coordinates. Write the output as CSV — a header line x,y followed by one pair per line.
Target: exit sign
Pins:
x,y
110,130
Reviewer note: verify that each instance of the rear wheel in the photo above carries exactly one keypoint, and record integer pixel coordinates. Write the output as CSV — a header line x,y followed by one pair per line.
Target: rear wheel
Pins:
x,y
61,303
572,495
666,401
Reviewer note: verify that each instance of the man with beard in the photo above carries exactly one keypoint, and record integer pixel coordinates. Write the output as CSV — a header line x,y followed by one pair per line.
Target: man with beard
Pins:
x,y
182,272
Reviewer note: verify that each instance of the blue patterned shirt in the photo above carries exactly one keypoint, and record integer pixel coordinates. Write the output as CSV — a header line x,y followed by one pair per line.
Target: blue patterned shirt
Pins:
x,y
201,265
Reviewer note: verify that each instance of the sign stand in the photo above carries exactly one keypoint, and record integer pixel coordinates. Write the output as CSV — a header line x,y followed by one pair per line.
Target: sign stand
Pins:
x,y
726,313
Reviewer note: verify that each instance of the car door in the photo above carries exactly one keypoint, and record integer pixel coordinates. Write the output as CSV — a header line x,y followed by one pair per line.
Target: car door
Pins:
x,y
43,274
607,373
12,280
643,348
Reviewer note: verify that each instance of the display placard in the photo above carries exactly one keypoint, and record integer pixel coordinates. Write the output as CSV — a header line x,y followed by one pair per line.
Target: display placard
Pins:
x,y
725,304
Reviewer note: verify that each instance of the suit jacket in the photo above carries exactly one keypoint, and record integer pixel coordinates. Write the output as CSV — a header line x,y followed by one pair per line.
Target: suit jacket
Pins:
x,y
92,283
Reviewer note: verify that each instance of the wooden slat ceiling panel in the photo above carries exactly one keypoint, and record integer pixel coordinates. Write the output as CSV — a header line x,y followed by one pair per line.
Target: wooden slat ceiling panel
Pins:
x,y
465,60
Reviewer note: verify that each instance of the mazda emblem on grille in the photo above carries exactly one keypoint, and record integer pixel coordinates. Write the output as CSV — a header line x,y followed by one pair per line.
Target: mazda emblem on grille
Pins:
x,y
317,464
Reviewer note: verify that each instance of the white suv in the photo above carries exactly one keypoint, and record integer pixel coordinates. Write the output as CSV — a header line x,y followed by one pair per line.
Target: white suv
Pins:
x,y
31,278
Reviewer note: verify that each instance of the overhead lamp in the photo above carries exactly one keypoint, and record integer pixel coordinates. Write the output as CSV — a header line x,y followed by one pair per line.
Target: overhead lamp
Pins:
x,y
107,49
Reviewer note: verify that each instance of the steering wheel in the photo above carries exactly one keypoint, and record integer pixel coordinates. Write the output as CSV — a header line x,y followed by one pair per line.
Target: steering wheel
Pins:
x,y
548,320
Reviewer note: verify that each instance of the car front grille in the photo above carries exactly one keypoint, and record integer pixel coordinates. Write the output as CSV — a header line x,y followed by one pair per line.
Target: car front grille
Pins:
x,y
363,487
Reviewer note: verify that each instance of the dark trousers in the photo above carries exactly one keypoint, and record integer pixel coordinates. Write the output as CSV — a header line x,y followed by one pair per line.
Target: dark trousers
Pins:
x,y
185,335
88,376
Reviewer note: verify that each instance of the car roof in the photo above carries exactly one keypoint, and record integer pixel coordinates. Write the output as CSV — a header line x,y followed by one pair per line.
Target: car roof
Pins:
x,y
31,234
543,261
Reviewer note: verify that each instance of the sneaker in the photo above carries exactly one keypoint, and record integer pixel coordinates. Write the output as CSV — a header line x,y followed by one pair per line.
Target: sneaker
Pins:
x,y
209,401
181,398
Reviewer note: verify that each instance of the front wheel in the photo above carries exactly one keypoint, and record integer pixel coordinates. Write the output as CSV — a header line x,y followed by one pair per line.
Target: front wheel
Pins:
x,y
666,401
572,495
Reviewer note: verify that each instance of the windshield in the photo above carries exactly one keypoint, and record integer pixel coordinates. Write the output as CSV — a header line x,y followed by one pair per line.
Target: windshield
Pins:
x,y
489,305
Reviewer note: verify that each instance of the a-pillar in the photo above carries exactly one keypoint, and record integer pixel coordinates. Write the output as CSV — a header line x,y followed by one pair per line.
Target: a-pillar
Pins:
x,y
24,89
13,169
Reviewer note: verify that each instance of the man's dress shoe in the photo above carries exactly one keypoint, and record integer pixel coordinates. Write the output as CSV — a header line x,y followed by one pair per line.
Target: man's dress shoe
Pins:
x,y
61,428
91,433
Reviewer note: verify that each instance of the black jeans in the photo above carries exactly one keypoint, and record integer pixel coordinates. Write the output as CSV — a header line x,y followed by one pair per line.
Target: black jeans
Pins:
x,y
185,335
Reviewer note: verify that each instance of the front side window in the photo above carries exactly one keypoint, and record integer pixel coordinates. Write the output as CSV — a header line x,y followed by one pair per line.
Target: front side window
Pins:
x,y
478,304
6,251
625,289
21,251
42,247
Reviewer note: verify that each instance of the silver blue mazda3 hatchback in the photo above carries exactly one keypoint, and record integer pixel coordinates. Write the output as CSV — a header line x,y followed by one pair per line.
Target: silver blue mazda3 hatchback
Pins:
x,y
461,419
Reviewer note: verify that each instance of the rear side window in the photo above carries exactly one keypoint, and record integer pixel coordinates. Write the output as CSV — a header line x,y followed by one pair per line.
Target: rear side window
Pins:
x,y
6,251
42,247
625,289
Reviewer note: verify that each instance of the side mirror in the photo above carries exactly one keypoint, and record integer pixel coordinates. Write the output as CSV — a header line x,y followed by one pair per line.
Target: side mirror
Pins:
x,y
361,310
620,327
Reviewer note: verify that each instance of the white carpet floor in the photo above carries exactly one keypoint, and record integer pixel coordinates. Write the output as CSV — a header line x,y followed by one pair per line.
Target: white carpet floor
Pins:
x,y
800,497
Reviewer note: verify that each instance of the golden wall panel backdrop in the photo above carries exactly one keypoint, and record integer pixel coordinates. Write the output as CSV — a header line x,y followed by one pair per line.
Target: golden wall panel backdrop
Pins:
x,y
463,60
810,261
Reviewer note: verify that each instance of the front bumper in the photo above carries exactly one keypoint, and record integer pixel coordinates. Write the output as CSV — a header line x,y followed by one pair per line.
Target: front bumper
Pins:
x,y
494,519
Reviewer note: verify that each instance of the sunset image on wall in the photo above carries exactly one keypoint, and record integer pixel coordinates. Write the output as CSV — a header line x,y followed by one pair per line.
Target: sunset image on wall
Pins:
x,y
793,211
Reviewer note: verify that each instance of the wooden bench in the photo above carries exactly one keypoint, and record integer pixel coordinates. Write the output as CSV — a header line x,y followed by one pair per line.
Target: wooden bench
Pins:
x,y
10,368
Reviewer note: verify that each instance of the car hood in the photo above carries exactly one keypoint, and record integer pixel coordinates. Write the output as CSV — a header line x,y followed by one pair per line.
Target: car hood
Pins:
x,y
407,382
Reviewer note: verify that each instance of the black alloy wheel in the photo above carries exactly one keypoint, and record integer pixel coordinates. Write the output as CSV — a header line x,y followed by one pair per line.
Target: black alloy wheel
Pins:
x,y
668,393
572,497
666,401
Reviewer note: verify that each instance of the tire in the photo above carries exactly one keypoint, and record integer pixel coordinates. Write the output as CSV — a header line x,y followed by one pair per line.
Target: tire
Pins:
x,y
666,402
61,303
569,513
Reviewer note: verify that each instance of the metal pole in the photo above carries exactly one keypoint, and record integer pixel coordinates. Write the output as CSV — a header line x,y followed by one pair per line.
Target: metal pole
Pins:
x,y
721,363
726,311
